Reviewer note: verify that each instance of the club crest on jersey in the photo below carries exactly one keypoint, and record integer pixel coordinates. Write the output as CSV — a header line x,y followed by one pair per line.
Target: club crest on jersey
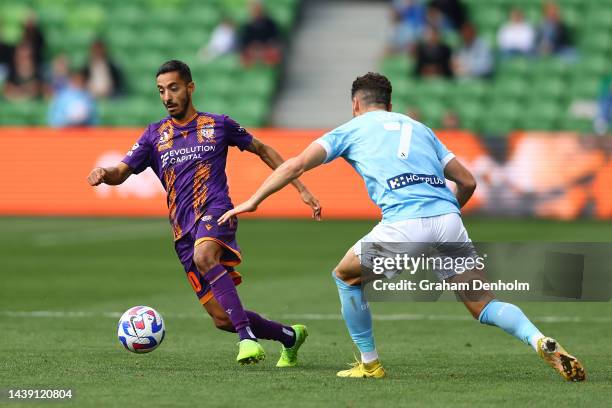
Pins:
x,y
206,218
166,136
206,129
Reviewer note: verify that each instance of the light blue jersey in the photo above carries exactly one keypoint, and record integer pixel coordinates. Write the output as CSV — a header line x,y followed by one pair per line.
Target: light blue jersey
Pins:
x,y
401,161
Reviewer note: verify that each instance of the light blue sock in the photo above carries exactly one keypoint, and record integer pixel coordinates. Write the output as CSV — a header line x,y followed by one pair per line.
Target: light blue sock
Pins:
x,y
357,316
512,320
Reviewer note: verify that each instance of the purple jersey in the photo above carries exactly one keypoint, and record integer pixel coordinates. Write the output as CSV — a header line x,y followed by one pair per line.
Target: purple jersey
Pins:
x,y
190,162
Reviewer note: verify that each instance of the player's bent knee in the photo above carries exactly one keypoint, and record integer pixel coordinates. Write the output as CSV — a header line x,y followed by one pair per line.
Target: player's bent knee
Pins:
x,y
205,261
349,269
346,275
476,308
338,273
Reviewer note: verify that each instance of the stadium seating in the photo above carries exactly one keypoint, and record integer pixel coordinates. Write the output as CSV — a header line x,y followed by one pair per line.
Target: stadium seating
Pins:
x,y
141,34
526,93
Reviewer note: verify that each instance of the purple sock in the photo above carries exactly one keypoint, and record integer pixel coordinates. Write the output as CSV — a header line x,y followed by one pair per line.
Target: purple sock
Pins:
x,y
225,293
271,330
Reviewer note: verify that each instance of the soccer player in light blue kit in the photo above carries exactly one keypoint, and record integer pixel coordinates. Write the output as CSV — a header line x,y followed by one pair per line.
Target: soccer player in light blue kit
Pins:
x,y
404,167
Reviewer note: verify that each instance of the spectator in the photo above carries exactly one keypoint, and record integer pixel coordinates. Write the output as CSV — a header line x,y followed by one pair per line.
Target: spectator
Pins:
x,y
33,36
411,13
604,114
554,36
260,39
59,75
6,56
73,105
414,112
454,12
450,120
103,77
408,17
436,19
474,58
433,58
222,41
399,35
516,36
24,77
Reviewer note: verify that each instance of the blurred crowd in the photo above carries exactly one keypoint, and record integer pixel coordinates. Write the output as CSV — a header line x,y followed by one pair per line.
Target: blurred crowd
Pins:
x,y
438,35
257,40
420,29
28,72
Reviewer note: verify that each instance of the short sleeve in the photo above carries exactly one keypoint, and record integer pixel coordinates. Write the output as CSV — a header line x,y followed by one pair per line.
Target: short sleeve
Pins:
x,y
236,134
140,155
443,154
335,143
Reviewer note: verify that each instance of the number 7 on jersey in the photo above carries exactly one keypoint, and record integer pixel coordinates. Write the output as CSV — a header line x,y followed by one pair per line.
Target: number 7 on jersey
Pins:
x,y
405,130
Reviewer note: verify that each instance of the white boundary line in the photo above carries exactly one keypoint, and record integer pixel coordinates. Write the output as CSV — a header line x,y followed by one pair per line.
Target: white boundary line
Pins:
x,y
59,314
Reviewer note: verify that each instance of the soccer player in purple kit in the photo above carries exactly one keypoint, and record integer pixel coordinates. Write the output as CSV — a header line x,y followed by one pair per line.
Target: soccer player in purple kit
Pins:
x,y
187,151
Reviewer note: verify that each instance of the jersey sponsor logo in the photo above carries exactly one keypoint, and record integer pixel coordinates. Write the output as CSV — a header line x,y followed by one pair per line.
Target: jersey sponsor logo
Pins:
x,y
177,156
410,179
131,152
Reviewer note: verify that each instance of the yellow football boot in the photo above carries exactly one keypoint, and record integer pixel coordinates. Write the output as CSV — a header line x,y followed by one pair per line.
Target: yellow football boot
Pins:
x,y
363,370
250,352
558,358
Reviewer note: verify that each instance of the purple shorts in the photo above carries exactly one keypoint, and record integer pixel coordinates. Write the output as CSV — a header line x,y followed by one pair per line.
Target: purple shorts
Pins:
x,y
207,229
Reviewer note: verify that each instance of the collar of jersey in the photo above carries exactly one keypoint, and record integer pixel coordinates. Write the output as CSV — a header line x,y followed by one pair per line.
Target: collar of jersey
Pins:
x,y
175,123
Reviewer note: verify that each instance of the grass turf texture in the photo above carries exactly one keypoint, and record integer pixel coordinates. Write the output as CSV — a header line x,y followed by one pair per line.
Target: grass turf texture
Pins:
x,y
95,267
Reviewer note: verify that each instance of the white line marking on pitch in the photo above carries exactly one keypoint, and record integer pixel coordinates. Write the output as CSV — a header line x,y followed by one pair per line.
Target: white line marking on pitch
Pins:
x,y
305,316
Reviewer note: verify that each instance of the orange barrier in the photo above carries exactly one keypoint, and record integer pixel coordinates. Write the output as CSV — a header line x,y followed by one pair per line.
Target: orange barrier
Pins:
x,y
43,172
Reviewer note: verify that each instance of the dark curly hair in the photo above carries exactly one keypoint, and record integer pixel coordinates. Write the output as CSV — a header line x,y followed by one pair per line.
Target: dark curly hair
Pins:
x,y
375,89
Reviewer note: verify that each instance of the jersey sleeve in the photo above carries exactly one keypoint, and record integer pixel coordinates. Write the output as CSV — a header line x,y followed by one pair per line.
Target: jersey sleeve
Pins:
x,y
140,155
236,134
443,154
335,143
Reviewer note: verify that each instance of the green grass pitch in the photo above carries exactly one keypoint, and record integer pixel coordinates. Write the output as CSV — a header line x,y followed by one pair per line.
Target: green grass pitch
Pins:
x,y
84,272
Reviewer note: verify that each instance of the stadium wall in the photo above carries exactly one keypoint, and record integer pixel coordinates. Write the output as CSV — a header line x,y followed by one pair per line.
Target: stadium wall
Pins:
x,y
555,175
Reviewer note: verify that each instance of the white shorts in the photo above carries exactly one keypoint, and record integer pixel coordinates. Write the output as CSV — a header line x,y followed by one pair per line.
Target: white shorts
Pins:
x,y
446,228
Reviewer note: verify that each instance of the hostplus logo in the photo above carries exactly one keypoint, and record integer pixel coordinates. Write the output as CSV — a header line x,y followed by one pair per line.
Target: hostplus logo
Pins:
x,y
177,156
409,179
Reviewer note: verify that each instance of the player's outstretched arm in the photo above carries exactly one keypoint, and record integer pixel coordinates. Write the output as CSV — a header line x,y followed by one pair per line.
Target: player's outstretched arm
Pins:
x,y
313,156
465,181
273,160
109,175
